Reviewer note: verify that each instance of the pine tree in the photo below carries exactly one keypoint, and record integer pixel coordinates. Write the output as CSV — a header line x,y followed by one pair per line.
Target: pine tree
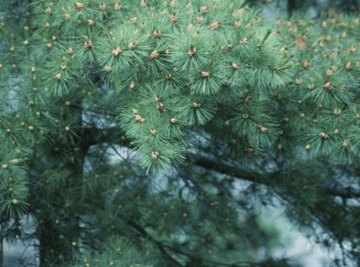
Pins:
x,y
145,133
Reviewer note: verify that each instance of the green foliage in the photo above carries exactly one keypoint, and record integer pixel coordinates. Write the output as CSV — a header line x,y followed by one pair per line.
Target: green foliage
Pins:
x,y
191,96
118,253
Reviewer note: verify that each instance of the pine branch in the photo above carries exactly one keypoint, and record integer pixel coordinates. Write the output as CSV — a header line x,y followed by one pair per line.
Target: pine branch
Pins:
x,y
160,246
214,263
234,170
247,174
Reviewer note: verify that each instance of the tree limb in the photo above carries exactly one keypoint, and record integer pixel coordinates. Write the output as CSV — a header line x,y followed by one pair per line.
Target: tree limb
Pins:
x,y
145,234
111,135
259,178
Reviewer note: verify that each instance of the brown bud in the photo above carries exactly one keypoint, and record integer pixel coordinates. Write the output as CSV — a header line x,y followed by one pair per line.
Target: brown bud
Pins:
x,y
115,52
348,66
235,66
5,166
154,54
102,7
329,72
248,150
282,50
301,42
190,27
153,132
214,25
90,22
117,6
108,69
155,155
337,111
200,19
244,41
138,118
262,128
160,107
323,135
132,45
67,16
204,10
196,105
79,5
133,20
157,34
87,45
327,86
192,52
306,63
132,85
168,76
298,81
173,18
205,74
48,10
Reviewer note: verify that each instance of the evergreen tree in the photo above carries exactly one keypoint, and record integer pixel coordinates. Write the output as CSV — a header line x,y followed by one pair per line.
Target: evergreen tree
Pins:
x,y
212,111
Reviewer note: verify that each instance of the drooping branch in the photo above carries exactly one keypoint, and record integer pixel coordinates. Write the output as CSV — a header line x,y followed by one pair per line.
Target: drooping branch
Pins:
x,y
267,179
158,244
115,135
164,247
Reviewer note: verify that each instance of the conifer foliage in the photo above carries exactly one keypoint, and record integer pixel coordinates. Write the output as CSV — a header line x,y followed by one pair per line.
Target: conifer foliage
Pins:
x,y
194,97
